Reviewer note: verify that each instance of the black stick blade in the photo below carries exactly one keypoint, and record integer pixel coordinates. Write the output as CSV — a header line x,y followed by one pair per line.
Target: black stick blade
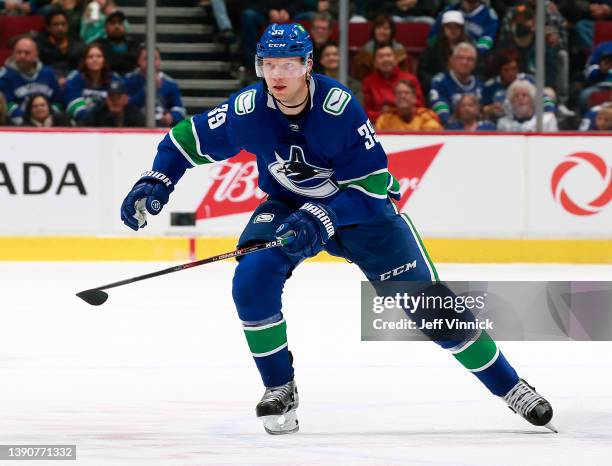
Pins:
x,y
93,297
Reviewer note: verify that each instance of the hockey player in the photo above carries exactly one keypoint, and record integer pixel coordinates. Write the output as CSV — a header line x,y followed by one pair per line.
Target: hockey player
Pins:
x,y
326,177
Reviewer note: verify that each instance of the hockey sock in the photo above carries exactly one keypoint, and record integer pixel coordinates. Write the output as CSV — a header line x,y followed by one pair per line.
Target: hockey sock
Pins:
x,y
268,345
482,357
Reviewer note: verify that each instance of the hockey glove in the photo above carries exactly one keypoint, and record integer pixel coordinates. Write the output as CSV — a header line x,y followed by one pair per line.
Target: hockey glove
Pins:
x,y
149,194
313,225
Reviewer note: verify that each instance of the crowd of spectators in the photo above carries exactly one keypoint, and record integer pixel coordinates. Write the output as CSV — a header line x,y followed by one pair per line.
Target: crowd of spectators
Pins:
x,y
83,70
476,72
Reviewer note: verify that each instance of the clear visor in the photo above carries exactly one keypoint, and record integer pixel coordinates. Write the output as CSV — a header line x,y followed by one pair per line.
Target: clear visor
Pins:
x,y
279,68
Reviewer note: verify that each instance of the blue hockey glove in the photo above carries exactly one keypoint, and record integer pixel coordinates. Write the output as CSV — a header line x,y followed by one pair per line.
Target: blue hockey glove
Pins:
x,y
313,225
149,194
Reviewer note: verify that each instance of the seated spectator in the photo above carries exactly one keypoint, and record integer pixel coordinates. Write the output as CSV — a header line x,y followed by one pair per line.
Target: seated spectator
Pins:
x,y
57,49
23,76
448,87
603,119
116,111
520,110
406,115
4,120
411,11
378,86
506,67
435,58
330,60
169,108
383,32
120,50
598,72
38,113
74,12
88,86
518,32
481,23
320,32
598,118
596,10
16,8
467,116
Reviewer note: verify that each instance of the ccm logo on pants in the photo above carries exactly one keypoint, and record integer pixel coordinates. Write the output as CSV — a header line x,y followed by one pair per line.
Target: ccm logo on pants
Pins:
x,y
398,270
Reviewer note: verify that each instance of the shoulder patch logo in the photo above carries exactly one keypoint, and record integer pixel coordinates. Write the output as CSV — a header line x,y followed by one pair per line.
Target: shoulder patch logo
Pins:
x,y
245,102
336,100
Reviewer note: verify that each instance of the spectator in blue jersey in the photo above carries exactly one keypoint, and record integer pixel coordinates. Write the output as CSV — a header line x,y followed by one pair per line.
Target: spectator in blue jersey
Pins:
x,y
598,118
169,108
467,116
520,110
448,87
506,67
57,49
120,50
598,72
435,58
23,76
38,114
481,23
116,111
88,86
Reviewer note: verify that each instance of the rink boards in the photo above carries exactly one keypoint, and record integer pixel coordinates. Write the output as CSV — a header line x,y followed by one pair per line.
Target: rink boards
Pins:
x,y
474,198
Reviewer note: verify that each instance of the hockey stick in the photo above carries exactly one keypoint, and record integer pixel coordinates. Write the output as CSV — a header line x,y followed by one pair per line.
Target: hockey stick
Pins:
x,y
96,296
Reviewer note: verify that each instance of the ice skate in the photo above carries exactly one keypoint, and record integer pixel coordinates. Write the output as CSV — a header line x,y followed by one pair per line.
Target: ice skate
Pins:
x,y
277,409
524,400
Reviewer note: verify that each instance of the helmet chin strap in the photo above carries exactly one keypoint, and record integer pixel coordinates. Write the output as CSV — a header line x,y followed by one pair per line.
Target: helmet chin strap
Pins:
x,y
293,106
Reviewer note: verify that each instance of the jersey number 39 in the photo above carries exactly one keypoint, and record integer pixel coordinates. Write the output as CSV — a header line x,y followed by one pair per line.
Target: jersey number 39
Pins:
x,y
217,116
367,130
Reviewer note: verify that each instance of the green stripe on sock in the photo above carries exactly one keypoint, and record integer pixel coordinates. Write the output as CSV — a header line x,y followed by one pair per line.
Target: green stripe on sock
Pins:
x,y
478,354
183,134
267,339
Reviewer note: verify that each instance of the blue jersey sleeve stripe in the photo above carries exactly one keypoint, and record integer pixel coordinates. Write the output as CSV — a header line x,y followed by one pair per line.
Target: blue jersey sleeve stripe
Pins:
x,y
180,149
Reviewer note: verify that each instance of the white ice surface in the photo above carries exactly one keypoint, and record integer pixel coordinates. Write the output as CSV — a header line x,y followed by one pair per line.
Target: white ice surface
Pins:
x,y
161,374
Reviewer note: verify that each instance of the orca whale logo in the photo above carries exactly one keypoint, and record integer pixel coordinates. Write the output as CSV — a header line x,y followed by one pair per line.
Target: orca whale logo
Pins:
x,y
300,177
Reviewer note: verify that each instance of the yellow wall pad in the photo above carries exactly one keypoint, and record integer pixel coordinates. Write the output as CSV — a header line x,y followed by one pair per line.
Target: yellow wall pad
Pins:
x,y
185,249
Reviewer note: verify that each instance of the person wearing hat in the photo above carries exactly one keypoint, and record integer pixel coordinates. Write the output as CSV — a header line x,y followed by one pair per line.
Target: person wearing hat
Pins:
x,y
435,58
481,23
119,48
116,111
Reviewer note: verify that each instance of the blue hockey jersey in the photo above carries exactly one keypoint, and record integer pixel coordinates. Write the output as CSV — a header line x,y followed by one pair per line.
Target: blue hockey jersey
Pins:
x,y
80,98
17,88
330,155
593,73
481,25
446,90
168,98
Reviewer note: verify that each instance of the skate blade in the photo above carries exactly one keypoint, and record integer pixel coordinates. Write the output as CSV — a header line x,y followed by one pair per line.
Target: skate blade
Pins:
x,y
551,427
284,424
